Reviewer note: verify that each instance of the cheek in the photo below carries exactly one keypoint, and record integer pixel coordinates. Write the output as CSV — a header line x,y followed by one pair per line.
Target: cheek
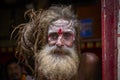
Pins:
x,y
51,43
69,43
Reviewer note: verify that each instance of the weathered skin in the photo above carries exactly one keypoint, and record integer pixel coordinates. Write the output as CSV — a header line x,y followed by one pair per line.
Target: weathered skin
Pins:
x,y
52,38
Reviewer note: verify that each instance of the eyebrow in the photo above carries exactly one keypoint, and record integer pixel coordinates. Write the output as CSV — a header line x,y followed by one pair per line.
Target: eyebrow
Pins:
x,y
62,32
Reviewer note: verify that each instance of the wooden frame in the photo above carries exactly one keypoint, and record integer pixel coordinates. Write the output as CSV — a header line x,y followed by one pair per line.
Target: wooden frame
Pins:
x,y
109,13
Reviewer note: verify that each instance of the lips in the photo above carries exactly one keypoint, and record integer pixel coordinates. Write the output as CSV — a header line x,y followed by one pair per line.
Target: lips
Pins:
x,y
58,52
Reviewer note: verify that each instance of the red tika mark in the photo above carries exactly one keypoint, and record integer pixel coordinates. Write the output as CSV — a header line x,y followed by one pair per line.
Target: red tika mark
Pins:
x,y
48,36
60,31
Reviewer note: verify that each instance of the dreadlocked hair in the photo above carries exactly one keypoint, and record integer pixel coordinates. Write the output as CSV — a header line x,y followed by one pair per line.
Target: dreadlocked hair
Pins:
x,y
32,36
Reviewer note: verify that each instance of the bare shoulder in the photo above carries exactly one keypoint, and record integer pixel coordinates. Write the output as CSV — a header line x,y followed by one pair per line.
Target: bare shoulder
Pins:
x,y
90,58
90,66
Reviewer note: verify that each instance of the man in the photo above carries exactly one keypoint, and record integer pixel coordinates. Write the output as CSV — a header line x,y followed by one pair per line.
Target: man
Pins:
x,y
15,71
53,38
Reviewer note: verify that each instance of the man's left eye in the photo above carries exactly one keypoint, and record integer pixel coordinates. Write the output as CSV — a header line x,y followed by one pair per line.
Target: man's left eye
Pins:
x,y
67,35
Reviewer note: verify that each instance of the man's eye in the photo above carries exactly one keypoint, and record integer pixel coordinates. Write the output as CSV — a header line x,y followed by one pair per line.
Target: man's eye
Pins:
x,y
67,35
53,36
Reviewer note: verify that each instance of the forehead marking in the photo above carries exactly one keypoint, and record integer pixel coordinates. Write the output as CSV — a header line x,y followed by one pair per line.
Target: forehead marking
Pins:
x,y
60,31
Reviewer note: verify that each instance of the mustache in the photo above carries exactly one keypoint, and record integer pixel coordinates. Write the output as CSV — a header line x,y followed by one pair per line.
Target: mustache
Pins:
x,y
60,51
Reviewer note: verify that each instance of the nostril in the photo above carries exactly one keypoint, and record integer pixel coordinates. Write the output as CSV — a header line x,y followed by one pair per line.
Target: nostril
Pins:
x,y
58,43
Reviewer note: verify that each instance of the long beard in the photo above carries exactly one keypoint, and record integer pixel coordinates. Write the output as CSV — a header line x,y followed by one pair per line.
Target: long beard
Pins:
x,y
57,63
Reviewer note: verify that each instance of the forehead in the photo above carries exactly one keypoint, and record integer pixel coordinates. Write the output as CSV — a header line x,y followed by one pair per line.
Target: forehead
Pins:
x,y
61,24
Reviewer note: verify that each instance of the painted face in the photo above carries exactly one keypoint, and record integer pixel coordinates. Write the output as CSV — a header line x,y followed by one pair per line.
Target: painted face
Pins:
x,y
61,33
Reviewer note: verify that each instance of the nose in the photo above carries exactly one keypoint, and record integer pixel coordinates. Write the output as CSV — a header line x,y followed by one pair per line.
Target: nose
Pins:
x,y
59,42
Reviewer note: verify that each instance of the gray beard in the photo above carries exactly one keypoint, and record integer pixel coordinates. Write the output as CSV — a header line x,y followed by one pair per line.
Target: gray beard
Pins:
x,y
57,64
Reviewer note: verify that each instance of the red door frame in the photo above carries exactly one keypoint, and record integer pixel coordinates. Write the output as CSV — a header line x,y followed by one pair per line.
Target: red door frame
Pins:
x,y
109,14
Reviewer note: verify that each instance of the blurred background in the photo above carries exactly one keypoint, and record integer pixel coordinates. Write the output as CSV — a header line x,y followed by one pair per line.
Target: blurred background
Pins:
x,y
12,14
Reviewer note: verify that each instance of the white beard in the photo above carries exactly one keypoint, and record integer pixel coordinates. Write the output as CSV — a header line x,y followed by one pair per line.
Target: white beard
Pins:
x,y
57,64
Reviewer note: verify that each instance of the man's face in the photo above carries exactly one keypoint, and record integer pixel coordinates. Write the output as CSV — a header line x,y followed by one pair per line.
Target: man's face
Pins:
x,y
58,60
14,71
61,33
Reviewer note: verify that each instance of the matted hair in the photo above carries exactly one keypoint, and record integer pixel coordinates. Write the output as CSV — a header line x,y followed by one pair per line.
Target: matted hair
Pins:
x,y
33,35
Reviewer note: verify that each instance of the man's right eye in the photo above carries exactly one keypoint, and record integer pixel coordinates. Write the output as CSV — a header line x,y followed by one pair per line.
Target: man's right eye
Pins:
x,y
53,36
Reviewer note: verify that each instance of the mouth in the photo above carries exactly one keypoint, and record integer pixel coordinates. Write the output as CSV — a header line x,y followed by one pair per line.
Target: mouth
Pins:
x,y
58,52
